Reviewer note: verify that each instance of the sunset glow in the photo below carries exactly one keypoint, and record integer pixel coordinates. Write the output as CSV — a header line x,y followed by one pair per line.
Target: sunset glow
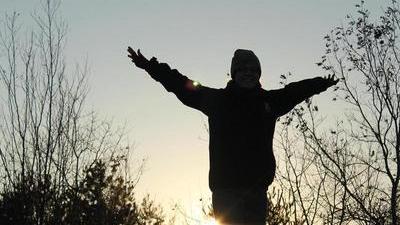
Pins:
x,y
212,221
171,140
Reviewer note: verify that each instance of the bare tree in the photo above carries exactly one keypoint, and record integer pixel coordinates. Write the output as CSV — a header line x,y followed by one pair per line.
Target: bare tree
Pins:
x,y
313,157
349,173
46,134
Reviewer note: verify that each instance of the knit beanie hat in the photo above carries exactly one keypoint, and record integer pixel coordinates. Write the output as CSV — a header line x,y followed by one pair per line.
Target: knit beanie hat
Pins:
x,y
241,57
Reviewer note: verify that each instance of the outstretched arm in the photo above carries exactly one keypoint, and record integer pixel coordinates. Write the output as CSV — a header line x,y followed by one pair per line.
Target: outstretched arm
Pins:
x,y
189,92
287,98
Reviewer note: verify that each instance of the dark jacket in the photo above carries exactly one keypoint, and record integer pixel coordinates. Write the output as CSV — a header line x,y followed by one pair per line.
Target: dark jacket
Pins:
x,y
241,124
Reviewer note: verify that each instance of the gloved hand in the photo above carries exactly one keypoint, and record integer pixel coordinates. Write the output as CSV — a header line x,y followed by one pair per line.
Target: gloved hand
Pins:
x,y
139,60
330,80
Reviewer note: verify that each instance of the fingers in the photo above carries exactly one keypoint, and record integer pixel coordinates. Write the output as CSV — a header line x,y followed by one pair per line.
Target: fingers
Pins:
x,y
132,53
137,58
130,50
331,78
336,81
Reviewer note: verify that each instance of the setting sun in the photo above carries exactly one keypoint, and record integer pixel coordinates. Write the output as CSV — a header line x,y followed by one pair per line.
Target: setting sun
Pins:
x,y
211,222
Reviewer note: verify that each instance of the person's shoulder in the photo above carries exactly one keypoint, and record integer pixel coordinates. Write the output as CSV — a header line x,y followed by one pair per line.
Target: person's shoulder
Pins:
x,y
208,91
273,93
269,91
212,89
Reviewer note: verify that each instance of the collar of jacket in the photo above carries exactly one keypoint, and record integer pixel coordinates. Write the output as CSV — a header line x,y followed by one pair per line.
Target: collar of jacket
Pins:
x,y
235,89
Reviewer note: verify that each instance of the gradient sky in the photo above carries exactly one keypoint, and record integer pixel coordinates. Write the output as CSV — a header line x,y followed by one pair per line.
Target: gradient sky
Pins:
x,y
198,38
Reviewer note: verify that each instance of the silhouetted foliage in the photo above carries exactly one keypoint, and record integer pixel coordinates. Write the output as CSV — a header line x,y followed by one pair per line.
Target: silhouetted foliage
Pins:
x,y
102,197
59,163
27,202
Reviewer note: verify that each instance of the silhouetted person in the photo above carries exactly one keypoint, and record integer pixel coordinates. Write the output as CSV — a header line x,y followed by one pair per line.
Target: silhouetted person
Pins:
x,y
241,119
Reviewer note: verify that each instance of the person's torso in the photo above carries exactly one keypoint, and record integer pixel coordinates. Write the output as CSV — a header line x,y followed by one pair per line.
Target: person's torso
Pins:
x,y
241,127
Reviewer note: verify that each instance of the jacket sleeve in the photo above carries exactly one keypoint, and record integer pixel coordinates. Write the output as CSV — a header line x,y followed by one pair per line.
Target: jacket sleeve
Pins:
x,y
285,99
189,92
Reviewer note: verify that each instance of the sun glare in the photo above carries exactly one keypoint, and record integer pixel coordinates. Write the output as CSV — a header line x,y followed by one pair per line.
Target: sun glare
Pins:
x,y
211,222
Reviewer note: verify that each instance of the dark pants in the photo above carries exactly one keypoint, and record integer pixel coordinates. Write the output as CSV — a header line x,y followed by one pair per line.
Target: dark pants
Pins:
x,y
240,206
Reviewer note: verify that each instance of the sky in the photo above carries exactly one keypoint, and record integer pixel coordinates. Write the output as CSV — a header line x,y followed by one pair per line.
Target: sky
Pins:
x,y
198,38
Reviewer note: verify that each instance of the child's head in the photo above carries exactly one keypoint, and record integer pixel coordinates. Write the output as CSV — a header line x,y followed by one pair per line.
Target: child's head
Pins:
x,y
245,68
